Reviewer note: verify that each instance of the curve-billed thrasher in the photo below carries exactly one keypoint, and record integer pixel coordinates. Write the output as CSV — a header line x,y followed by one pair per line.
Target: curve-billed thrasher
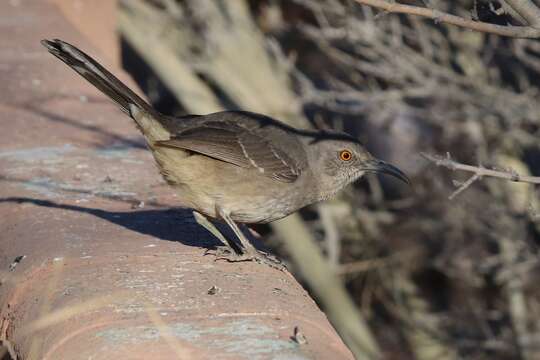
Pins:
x,y
236,166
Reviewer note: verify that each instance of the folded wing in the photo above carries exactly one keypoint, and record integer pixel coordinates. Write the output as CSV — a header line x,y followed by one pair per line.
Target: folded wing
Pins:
x,y
237,145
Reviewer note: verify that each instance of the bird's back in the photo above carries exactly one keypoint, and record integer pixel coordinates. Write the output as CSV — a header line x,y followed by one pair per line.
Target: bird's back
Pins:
x,y
274,131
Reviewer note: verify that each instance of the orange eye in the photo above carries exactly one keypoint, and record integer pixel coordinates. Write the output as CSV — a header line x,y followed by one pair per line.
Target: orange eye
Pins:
x,y
345,155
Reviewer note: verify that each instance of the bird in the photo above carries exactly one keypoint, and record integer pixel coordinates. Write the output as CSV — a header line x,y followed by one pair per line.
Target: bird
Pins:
x,y
237,167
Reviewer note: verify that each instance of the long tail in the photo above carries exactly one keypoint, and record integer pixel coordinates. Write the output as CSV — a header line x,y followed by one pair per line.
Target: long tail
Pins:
x,y
98,76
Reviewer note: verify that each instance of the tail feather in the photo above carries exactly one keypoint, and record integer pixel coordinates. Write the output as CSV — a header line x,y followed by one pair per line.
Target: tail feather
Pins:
x,y
98,76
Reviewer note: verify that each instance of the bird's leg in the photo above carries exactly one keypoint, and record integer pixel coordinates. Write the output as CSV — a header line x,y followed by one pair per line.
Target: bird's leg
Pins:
x,y
250,252
205,223
249,249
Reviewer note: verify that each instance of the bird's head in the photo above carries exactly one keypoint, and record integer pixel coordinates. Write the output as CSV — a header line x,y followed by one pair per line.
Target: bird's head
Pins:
x,y
341,160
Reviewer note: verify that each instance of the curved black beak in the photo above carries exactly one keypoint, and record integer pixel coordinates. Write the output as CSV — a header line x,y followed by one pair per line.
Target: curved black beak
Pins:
x,y
380,166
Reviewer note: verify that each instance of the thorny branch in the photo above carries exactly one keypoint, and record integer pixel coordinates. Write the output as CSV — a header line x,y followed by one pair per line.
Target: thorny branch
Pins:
x,y
478,172
525,8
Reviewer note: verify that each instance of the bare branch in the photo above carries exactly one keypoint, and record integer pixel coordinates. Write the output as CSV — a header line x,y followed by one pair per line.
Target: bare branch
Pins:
x,y
464,186
481,171
439,16
527,9
478,171
512,12
331,234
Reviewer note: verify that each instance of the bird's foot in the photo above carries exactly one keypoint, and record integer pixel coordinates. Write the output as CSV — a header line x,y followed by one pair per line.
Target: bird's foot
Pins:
x,y
259,257
222,252
225,253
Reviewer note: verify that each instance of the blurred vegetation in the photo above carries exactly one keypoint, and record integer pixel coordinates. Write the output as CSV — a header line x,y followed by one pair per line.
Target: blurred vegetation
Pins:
x,y
434,278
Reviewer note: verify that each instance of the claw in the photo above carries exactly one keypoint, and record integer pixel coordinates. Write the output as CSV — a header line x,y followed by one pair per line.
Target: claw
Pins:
x,y
224,253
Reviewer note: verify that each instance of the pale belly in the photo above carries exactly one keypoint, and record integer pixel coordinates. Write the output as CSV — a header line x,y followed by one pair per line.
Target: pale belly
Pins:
x,y
205,184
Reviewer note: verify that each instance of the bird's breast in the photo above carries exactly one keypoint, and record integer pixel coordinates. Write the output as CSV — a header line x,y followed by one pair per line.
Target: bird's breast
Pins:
x,y
264,209
205,184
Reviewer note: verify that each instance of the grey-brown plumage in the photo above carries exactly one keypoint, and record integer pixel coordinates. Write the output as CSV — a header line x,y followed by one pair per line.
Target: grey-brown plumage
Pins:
x,y
234,165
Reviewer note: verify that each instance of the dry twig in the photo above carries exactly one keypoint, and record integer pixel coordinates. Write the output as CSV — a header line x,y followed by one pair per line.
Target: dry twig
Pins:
x,y
525,8
478,171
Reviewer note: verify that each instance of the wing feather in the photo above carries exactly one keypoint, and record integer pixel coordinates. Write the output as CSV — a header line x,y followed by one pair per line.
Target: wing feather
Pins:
x,y
237,145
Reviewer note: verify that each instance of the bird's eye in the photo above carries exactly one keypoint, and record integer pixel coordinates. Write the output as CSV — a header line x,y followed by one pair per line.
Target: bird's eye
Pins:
x,y
345,155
